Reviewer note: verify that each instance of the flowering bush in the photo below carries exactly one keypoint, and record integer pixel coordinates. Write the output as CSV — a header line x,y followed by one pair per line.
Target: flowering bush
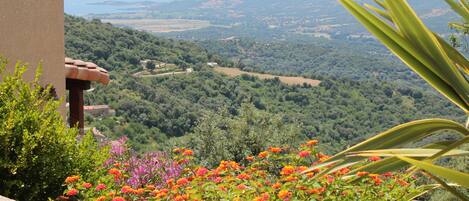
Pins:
x,y
274,174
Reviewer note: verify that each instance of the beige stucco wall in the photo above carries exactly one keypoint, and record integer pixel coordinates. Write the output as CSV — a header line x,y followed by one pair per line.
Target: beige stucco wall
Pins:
x,y
33,31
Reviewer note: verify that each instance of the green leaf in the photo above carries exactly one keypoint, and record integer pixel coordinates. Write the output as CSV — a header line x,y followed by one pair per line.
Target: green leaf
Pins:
x,y
417,152
449,174
404,134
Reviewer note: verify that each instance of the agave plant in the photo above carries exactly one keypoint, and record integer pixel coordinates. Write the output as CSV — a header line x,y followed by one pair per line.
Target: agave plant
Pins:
x,y
398,27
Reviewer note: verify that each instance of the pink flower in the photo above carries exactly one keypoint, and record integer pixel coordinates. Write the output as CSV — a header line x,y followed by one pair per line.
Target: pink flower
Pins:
x,y
87,185
100,187
201,171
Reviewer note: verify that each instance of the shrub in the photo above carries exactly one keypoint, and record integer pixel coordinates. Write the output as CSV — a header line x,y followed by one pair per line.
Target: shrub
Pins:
x,y
224,137
274,174
37,149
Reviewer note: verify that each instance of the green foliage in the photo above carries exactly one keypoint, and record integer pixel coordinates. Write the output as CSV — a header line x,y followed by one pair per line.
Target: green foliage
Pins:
x,y
221,136
398,27
37,148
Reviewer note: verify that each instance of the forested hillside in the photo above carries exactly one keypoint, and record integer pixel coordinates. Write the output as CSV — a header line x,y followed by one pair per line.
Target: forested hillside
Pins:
x,y
358,60
154,111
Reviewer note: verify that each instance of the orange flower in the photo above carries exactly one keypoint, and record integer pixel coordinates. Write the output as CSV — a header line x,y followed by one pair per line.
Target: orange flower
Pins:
x,y
316,190
127,189
72,179
118,199
182,181
263,197
263,154
361,174
86,185
402,182
373,175
151,187
374,158
302,168
291,178
310,174
117,165
243,176
139,191
114,171
170,182
250,158
72,192
275,149
343,171
101,198
181,198
304,154
377,181
284,194
241,187
188,152
287,170
276,186
312,142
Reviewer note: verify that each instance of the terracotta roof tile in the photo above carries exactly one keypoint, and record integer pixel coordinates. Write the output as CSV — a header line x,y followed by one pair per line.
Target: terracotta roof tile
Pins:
x,y
80,70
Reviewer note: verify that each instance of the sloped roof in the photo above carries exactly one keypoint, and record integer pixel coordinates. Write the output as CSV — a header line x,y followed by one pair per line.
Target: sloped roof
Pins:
x,y
87,71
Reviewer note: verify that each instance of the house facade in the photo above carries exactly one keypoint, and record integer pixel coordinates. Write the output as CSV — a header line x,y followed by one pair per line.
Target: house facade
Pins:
x,y
32,31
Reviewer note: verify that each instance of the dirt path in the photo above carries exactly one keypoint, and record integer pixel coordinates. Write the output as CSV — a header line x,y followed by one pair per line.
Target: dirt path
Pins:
x,y
233,72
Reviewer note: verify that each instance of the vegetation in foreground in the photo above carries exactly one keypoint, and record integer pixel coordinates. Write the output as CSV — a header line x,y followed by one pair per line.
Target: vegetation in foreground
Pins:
x,y
37,148
274,174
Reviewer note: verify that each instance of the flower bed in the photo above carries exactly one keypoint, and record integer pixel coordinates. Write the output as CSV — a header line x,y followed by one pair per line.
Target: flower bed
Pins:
x,y
274,174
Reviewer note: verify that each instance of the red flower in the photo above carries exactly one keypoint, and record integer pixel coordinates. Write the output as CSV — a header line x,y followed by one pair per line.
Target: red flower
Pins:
x,y
304,154
243,176
201,171
72,192
100,187
343,171
250,158
387,174
374,158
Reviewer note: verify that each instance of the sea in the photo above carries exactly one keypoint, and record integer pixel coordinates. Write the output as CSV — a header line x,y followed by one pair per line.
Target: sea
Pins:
x,y
88,7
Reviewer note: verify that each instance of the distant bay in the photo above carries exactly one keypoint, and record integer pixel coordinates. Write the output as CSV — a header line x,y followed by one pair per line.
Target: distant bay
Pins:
x,y
87,7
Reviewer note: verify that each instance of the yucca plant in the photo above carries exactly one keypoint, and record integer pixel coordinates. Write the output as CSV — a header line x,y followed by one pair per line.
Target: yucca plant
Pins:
x,y
398,27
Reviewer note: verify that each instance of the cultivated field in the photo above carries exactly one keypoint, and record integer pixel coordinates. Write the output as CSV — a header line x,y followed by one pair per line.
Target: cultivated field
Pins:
x,y
160,25
233,72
